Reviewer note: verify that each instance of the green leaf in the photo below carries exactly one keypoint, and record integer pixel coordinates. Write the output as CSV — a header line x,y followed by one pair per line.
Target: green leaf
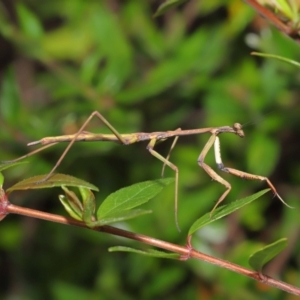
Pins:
x,y
55,180
149,252
6,165
258,259
71,203
167,5
120,217
80,211
224,211
69,208
29,23
89,204
73,200
290,61
130,197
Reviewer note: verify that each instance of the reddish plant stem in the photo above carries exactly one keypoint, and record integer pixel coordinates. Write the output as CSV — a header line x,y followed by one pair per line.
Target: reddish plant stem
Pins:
x,y
184,251
3,204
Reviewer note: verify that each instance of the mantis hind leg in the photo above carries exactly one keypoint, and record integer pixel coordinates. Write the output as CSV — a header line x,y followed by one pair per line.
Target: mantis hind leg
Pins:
x,y
84,125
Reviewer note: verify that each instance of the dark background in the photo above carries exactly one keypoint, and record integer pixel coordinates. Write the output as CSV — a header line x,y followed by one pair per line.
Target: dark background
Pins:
x,y
190,68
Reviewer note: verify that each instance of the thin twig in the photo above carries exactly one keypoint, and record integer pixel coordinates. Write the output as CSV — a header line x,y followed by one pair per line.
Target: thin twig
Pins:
x,y
184,251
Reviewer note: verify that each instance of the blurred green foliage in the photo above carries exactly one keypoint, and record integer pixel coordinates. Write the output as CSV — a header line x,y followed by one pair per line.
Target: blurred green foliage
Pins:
x,y
190,68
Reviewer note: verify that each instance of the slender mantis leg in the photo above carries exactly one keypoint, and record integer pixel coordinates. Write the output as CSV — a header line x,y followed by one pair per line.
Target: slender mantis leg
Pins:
x,y
214,139
98,115
240,174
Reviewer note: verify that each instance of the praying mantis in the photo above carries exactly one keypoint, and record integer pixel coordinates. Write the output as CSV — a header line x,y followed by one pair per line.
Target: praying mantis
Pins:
x,y
153,138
